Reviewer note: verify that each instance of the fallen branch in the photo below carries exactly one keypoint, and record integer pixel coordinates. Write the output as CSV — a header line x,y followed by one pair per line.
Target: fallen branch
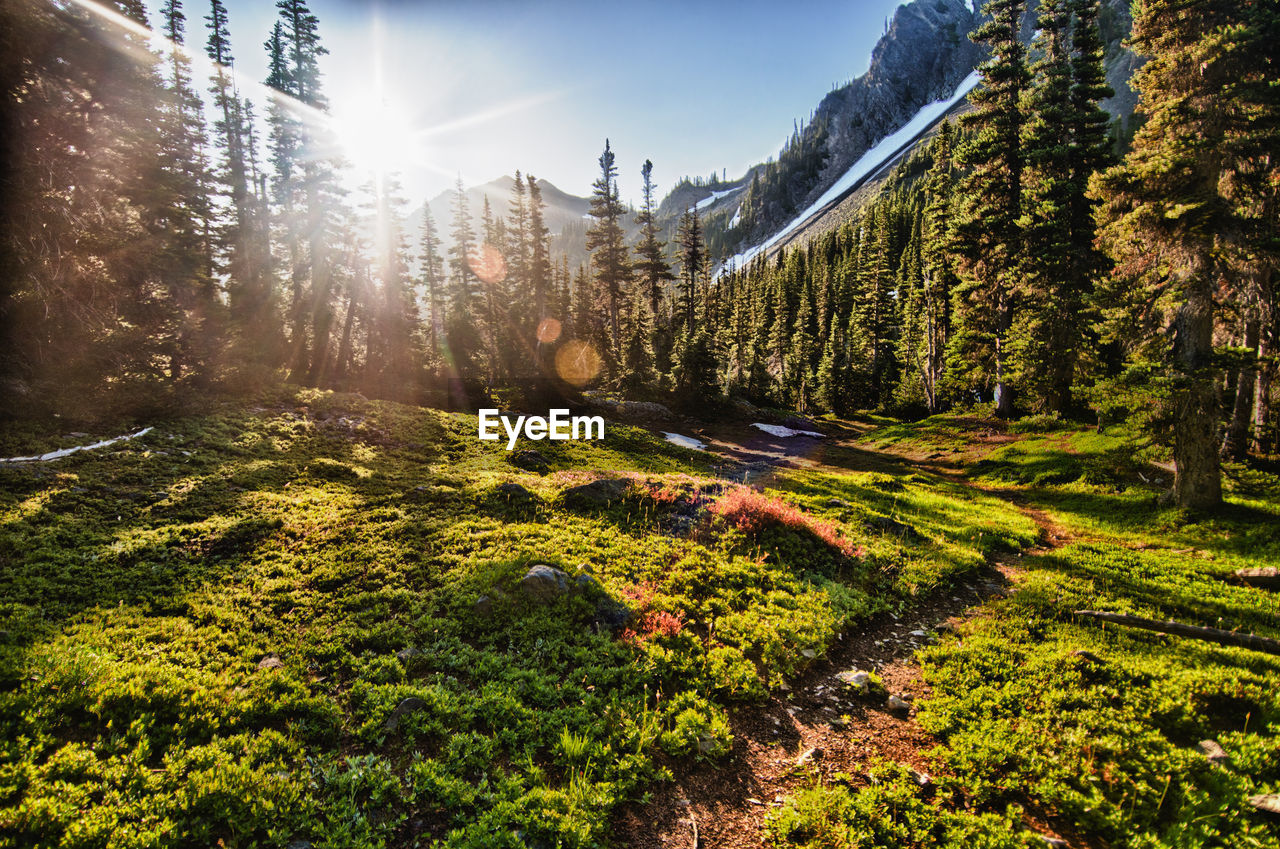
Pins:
x,y
1265,578
64,452
1195,632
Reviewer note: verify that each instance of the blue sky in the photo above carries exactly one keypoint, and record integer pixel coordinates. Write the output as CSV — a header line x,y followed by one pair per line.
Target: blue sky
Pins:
x,y
488,86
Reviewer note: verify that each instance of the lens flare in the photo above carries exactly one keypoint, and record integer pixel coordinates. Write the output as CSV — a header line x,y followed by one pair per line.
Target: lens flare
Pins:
x,y
487,263
549,331
578,362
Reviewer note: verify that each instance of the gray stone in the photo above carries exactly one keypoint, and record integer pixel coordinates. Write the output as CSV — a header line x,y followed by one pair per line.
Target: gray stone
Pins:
x,y
1054,842
897,704
921,778
837,502
596,494
529,460
1214,753
586,582
885,524
270,662
515,493
611,615
483,607
408,653
543,583
1266,802
405,707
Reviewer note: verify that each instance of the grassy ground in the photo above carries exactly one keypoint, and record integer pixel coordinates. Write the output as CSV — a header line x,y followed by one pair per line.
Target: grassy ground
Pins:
x,y
299,623
1048,717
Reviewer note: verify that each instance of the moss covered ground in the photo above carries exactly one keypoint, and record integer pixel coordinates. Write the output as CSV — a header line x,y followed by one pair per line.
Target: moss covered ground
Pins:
x,y
299,622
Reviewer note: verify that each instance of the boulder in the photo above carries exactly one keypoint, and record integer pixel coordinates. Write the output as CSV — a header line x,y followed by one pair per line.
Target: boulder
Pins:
x,y
887,525
897,704
515,493
837,502
270,662
596,494
543,584
483,608
407,654
529,460
611,615
1266,802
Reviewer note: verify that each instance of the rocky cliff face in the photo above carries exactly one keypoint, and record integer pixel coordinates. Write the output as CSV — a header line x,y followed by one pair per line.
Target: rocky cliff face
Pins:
x,y
923,56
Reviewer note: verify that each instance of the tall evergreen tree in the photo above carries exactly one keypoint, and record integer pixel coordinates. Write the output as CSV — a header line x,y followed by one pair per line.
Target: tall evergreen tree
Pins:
x,y
987,238
606,242
1045,339
1166,207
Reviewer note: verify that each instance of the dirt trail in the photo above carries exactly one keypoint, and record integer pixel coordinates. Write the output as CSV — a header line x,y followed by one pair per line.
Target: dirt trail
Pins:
x,y
819,726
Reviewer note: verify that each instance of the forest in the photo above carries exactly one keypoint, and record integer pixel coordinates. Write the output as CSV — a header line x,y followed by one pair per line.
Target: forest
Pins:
x,y
1029,384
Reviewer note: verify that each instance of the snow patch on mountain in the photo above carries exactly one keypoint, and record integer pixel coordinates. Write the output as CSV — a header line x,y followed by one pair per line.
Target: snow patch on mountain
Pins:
x,y
866,165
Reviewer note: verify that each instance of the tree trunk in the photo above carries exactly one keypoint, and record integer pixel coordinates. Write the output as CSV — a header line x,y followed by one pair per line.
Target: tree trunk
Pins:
x,y
1003,392
1236,444
1262,441
1197,480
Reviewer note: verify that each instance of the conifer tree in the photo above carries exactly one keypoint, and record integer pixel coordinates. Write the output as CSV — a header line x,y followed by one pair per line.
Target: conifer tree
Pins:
x,y
987,238
243,238
692,252
1045,338
432,281
1166,207
651,266
605,241
461,337
937,275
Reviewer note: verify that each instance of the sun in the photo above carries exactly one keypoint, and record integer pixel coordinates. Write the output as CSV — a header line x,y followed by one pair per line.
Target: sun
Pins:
x,y
376,136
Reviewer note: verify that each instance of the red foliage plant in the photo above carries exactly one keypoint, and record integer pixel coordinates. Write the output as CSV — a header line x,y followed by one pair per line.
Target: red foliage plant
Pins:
x,y
648,621
751,512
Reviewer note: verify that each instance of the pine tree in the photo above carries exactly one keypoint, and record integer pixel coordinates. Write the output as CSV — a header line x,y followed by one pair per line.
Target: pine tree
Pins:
x,y
652,269
1166,207
987,239
432,281
462,337
243,238
1045,339
692,252
605,241
937,274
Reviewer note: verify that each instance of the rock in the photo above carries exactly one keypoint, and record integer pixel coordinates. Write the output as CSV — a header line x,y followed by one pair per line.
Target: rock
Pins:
x,y
405,707
483,607
856,678
515,493
407,654
270,662
596,494
897,704
1212,752
919,633
300,844
1087,656
611,615
1053,842
1266,802
808,653
543,583
529,460
884,524
837,502
921,778
586,582
813,754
